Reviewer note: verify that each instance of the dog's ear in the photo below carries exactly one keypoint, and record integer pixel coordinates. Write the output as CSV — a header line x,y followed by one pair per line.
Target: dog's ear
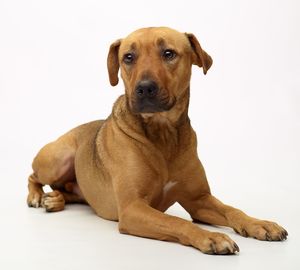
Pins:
x,y
113,62
200,57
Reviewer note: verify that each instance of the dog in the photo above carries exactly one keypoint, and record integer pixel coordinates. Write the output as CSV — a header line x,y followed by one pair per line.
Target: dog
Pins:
x,y
143,158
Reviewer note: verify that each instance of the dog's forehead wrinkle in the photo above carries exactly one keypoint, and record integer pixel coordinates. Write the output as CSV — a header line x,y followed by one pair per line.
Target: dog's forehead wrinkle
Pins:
x,y
133,46
160,42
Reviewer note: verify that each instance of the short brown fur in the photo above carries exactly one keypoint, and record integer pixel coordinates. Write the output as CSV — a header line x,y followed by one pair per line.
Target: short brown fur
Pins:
x,y
133,166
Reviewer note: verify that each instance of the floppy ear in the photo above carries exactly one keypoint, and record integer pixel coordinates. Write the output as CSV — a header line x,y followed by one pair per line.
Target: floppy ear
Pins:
x,y
113,62
201,58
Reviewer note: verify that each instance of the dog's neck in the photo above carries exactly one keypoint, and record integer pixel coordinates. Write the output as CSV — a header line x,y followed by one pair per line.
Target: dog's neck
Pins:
x,y
163,129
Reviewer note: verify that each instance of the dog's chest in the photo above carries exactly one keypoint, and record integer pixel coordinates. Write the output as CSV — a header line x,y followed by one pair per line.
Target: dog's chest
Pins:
x,y
167,197
167,188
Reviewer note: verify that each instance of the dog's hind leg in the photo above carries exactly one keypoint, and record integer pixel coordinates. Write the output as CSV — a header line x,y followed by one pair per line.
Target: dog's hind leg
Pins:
x,y
53,166
35,192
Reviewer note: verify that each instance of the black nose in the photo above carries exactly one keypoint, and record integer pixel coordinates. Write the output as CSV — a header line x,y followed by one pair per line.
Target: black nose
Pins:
x,y
146,88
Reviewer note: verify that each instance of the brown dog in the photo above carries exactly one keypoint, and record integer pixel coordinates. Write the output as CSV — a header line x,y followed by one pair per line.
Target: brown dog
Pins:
x,y
143,158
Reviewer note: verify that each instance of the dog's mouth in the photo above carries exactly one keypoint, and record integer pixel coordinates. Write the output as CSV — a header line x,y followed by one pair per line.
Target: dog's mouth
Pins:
x,y
152,105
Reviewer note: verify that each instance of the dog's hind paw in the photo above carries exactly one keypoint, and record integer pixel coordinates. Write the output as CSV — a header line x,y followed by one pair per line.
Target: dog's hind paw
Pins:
x,y
34,199
53,201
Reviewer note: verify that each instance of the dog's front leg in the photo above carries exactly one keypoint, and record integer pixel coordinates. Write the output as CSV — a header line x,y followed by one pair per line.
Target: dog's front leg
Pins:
x,y
138,218
210,210
204,207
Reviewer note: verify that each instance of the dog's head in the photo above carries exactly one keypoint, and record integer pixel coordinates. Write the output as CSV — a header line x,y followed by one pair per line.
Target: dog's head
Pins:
x,y
155,66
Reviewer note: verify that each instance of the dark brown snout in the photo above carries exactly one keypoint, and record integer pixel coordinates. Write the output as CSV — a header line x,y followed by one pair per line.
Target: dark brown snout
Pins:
x,y
149,98
146,89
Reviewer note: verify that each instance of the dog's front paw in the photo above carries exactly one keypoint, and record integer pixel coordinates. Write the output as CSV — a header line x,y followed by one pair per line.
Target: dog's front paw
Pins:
x,y
262,230
216,243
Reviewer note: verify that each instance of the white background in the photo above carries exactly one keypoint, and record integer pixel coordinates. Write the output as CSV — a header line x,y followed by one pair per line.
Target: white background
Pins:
x,y
246,113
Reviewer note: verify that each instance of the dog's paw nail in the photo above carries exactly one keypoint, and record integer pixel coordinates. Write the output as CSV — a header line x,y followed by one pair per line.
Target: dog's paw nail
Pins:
x,y
213,248
236,248
34,204
283,236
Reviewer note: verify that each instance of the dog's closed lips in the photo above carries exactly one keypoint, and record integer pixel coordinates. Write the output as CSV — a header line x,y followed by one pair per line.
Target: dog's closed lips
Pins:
x,y
143,158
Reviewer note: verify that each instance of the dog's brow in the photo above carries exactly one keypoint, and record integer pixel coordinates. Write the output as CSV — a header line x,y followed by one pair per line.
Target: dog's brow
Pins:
x,y
133,46
161,42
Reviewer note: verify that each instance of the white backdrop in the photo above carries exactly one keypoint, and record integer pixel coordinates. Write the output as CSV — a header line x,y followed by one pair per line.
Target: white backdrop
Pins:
x,y
245,110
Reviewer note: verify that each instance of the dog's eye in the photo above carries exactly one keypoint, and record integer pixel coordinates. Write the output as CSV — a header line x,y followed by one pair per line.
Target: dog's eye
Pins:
x,y
128,58
169,54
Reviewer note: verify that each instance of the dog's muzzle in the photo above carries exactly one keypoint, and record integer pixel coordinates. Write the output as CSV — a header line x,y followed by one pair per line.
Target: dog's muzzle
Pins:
x,y
148,99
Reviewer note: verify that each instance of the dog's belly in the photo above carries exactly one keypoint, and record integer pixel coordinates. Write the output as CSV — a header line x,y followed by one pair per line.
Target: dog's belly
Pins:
x,y
100,196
